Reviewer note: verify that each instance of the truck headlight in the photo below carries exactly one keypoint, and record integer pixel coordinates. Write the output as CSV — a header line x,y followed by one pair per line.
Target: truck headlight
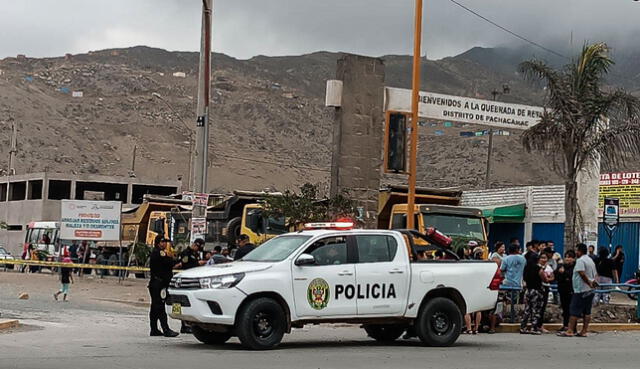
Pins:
x,y
222,281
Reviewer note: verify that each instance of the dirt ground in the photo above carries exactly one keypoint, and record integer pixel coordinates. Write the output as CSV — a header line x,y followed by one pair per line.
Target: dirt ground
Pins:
x,y
86,289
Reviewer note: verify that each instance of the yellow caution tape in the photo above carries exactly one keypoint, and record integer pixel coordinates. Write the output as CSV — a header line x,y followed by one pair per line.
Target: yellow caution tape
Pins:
x,y
72,265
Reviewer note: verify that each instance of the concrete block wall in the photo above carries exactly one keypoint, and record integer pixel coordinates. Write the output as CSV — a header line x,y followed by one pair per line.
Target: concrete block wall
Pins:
x,y
358,132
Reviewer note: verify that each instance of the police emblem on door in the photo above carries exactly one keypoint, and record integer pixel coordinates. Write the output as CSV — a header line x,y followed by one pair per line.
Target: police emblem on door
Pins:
x,y
318,293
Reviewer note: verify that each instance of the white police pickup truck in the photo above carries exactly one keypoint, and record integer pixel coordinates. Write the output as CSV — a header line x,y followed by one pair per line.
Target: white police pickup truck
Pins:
x,y
366,277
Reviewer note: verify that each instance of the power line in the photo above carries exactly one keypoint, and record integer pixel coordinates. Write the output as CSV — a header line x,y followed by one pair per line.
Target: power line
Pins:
x,y
509,31
522,37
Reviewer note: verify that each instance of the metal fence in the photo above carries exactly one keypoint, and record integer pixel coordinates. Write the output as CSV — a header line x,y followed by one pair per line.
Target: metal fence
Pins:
x,y
514,294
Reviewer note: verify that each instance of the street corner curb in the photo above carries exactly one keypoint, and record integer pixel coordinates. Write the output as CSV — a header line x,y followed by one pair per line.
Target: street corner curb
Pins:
x,y
593,327
8,324
140,304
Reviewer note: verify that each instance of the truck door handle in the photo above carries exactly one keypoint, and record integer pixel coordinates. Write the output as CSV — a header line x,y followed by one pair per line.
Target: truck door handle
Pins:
x,y
396,271
346,272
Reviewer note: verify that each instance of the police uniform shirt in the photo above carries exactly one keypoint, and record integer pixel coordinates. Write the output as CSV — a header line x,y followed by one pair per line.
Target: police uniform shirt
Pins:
x,y
243,250
189,258
161,265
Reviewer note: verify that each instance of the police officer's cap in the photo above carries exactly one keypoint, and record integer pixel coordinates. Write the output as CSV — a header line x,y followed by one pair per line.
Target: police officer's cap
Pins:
x,y
199,241
159,238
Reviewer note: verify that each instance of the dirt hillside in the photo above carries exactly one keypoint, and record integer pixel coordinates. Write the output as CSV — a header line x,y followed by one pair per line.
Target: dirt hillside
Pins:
x,y
269,125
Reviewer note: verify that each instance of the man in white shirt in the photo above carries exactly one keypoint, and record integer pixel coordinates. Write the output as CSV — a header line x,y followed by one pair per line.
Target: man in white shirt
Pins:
x,y
584,282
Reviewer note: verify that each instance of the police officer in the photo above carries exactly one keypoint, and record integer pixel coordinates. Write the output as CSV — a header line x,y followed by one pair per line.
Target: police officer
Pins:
x,y
244,247
190,258
161,265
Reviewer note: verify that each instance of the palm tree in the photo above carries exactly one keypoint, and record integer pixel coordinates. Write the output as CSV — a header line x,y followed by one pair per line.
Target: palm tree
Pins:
x,y
583,122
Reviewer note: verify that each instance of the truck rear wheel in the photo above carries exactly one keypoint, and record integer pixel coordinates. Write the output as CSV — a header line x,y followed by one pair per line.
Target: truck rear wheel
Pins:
x,y
261,324
439,322
384,333
233,231
210,338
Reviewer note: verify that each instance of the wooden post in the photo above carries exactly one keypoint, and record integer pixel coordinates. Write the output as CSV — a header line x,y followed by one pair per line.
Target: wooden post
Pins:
x,y
413,150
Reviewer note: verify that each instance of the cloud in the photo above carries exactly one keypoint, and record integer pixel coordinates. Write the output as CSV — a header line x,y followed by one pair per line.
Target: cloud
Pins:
x,y
283,27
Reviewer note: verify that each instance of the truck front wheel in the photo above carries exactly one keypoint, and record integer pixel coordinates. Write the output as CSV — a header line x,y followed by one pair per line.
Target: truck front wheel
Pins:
x,y
261,324
439,322
234,229
210,338
384,333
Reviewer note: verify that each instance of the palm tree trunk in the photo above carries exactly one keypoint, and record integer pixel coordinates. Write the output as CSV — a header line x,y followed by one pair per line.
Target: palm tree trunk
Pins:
x,y
571,215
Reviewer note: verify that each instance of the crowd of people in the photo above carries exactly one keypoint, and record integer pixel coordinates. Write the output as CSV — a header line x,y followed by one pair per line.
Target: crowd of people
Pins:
x,y
528,279
77,253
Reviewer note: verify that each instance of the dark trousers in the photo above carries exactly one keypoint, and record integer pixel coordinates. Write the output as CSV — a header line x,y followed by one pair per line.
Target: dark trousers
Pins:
x,y
565,303
157,312
545,292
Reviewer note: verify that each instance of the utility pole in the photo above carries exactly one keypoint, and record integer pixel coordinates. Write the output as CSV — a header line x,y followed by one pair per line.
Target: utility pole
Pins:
x,y
13,150
12,171
202,121
132,172
199,209
413,149
204,88
495,94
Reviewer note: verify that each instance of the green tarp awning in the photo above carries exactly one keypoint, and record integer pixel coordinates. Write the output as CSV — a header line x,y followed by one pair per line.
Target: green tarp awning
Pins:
x,y
514,213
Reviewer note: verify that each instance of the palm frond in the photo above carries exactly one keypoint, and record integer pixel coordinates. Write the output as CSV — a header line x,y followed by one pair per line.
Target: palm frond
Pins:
x,y
616,106
619,147
622,103
548,137
538,70
594,63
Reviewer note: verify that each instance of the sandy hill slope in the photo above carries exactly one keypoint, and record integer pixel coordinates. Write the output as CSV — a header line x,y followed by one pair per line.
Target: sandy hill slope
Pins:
x,y
269,125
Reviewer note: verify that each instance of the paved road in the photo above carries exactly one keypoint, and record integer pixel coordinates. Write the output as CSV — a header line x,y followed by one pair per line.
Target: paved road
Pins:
x,y
85,334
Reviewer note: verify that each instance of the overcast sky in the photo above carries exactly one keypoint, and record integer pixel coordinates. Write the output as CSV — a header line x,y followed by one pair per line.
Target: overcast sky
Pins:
x,y
244,28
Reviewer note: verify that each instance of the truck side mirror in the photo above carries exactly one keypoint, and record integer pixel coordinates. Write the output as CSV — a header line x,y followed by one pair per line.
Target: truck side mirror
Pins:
x,y
254,221
158,226
305,259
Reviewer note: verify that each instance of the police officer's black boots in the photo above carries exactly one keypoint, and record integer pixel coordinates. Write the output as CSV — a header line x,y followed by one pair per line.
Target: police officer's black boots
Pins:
x,y
154,327
165,328
169,333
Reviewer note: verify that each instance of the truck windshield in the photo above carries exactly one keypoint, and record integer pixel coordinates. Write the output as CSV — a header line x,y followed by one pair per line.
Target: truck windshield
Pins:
x,y
455,225
276,249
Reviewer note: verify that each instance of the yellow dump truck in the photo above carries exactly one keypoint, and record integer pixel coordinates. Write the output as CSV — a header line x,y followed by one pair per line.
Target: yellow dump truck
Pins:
x,y
438,208
258,227
228,216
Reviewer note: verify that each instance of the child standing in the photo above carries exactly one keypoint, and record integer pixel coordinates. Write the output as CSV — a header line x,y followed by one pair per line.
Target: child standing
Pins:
x,y
65,279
